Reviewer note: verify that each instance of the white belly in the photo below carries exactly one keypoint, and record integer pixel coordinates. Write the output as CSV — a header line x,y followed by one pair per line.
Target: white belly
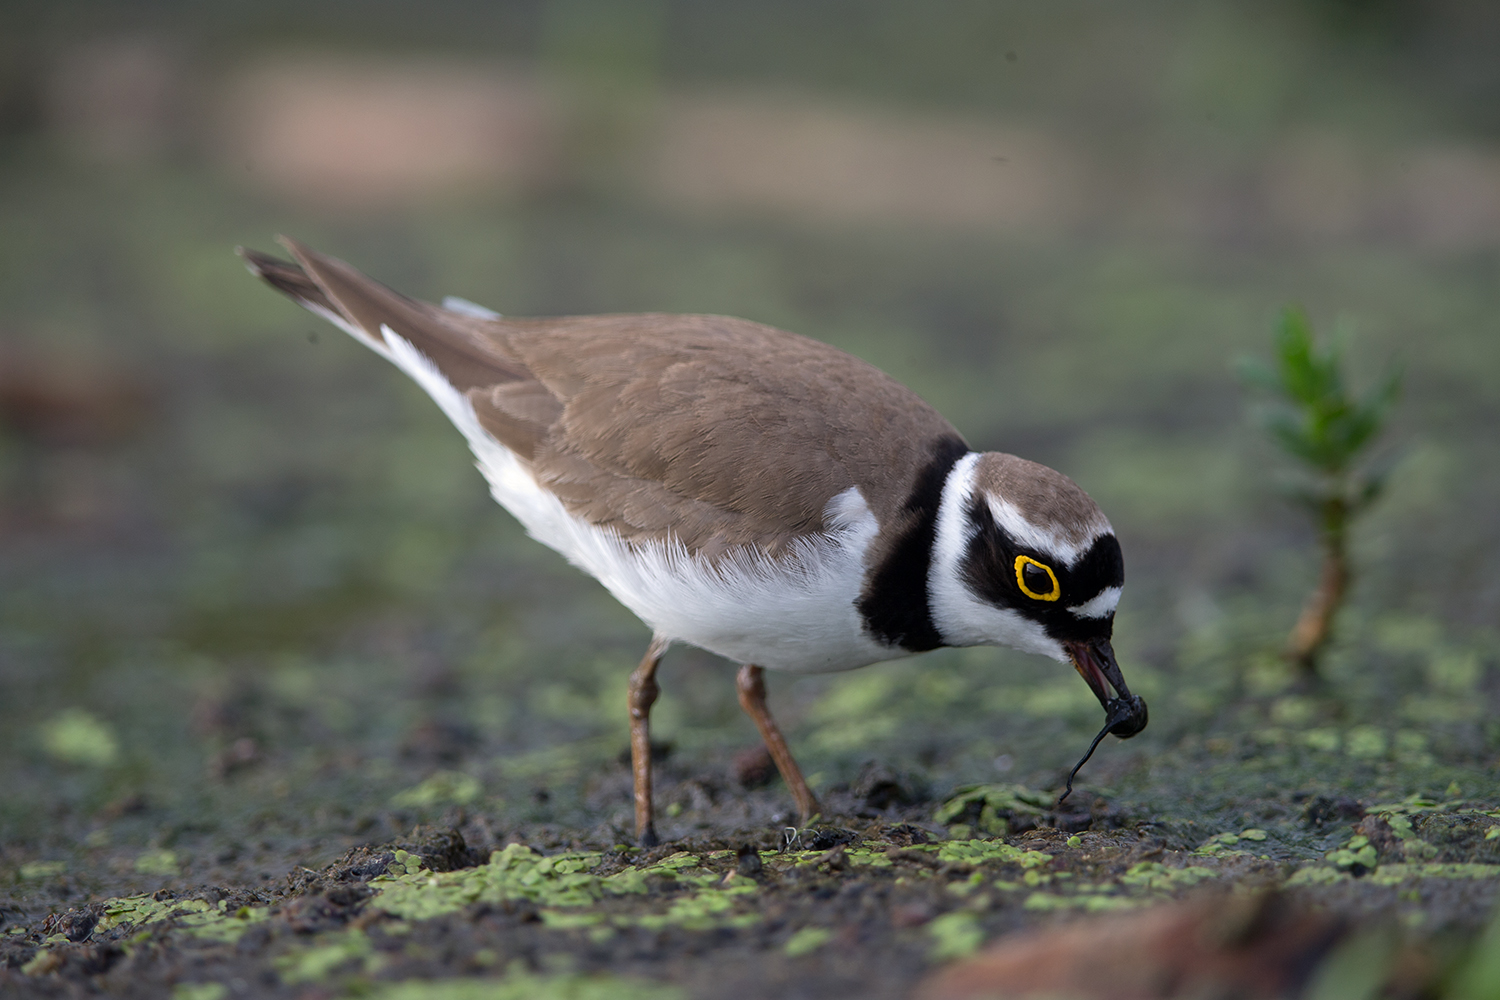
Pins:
x,y
797,613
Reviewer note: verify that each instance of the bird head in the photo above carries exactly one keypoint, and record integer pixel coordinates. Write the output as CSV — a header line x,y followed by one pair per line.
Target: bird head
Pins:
x,y
1024,558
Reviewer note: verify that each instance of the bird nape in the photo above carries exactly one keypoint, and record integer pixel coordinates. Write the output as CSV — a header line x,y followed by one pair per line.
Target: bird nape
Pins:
x,y
755,493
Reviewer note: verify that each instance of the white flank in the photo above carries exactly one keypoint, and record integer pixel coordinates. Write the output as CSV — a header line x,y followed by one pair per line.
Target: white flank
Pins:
x,y
796,613
962,618
1101,606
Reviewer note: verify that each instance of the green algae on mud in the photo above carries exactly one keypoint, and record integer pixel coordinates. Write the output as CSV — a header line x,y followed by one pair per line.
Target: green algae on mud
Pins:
x,y
573,881
353,947
194,917
806,941
955,935
519,984
567,881
991,809
905,903
338,950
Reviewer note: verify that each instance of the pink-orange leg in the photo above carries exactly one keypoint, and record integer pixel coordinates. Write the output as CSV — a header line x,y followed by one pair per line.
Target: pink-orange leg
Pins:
x,y
752,689
643,692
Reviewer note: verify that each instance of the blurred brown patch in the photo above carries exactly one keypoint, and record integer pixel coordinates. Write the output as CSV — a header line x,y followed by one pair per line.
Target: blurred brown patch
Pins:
x,y
911,915
69,402
359,132
242,753
439,737
1216,945
753,766
126,805
1447,197
823,162
57,414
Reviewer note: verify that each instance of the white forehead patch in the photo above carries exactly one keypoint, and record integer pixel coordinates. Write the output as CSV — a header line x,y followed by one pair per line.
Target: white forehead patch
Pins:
x,y
1101,606
1039,537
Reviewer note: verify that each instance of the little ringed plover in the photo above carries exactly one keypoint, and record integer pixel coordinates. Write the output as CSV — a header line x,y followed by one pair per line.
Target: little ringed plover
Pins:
x,y
757,494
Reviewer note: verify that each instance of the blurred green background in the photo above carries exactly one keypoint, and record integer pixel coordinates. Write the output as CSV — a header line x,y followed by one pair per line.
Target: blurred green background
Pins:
x,y
251,587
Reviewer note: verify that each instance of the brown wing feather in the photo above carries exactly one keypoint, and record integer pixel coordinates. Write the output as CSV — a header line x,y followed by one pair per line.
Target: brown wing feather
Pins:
x,y
722,431
762,426
519,414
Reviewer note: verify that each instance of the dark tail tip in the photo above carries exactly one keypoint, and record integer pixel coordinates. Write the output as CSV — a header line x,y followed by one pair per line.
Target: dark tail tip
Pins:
x,y
286,277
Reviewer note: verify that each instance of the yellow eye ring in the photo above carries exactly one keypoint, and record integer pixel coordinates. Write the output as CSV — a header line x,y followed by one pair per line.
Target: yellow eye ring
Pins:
x,y
1021,563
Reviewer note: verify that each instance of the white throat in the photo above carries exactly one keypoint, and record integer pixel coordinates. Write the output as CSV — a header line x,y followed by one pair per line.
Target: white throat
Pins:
x,y
961,617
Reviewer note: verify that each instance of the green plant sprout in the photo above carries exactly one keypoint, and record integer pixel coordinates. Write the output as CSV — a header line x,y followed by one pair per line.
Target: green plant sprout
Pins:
x,y
1328,432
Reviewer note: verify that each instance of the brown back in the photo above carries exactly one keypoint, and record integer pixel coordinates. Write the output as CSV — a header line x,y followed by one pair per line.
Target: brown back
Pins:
x,y
721,431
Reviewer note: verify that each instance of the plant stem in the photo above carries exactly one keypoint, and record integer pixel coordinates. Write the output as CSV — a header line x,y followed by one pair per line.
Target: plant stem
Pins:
x,y
1314,627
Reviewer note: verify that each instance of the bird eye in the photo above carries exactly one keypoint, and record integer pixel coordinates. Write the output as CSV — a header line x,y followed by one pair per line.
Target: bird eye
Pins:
x,y
1037,581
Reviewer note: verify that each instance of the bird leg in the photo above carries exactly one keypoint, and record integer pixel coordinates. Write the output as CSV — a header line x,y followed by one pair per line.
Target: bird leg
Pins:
x,y
643,692
752,689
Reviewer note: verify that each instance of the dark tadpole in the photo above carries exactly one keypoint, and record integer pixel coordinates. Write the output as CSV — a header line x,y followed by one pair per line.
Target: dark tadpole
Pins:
x,y
1124,717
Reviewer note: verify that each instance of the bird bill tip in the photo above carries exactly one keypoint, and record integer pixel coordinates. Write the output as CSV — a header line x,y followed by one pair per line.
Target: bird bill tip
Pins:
x,y
1095,663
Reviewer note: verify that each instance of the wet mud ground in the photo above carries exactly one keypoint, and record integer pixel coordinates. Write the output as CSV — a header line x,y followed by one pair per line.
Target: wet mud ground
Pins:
x,y
866,902
262,631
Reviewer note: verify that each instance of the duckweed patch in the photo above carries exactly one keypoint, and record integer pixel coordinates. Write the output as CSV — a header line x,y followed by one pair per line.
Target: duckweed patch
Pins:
x,y
955,935
442,788
806,941
930,902
341,950
200,991
37,870
517,872
982,851
703,910
1398,874
77,736
215,922
1157,877
1358,853
1231,844
993,809
1141,883
160,862
1088,902
519,984
565,884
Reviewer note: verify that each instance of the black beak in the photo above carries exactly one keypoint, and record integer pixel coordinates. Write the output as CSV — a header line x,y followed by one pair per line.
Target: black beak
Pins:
x,y
1095,662
1124,714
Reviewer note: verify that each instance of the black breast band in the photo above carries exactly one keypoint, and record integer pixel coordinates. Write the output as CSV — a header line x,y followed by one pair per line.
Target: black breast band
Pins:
x,y
895,603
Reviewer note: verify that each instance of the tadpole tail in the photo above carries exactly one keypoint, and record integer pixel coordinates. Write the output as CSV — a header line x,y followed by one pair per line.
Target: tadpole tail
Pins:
x,y
1079,766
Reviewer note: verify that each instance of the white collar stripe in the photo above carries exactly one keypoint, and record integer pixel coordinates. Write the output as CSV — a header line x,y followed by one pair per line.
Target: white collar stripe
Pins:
x,y
958,613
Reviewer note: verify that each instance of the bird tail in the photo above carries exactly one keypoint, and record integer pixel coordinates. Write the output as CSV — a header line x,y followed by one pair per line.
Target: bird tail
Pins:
x,y
372,313
287,278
